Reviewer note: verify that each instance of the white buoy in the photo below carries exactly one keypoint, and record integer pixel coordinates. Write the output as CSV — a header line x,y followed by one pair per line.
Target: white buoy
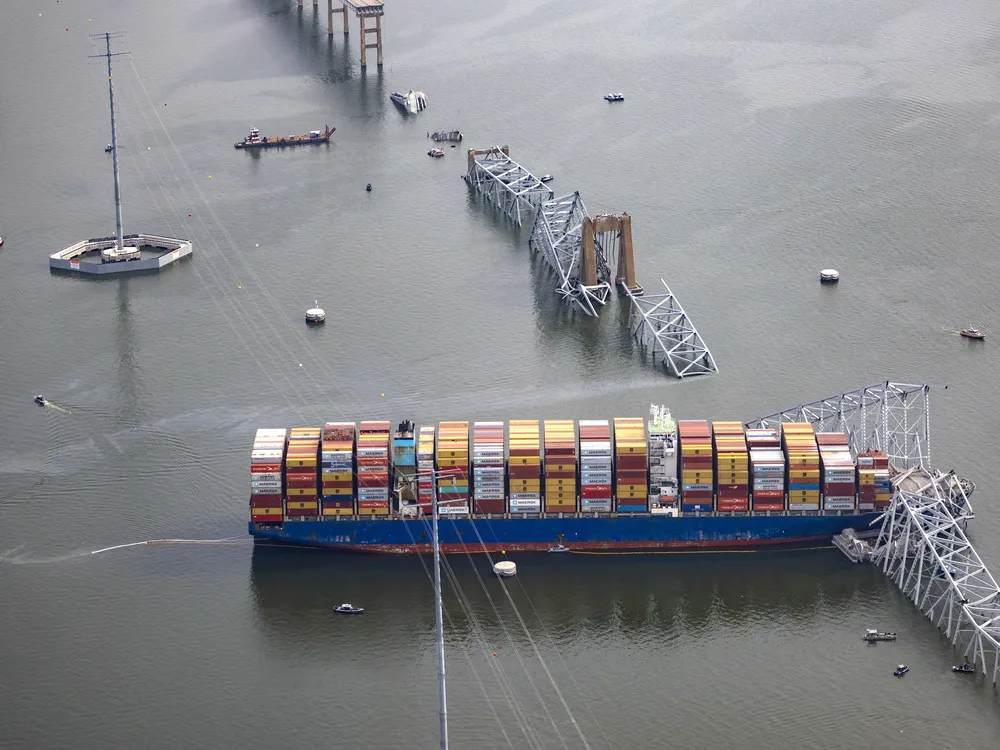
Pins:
x,y
315,314
505,569
829,276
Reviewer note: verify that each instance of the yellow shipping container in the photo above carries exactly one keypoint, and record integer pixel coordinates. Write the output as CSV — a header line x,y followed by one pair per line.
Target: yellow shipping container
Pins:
x,y
562,499
300,491
634,495
799,473
338,511
524,485
337,491
695,476
373,511
525,460
265,512
696,449
559,481
298,462
631,488
733,477
336,477
560,467
453,462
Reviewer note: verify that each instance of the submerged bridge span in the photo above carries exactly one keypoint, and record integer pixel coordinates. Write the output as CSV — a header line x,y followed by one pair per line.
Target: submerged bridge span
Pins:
x,y
921,546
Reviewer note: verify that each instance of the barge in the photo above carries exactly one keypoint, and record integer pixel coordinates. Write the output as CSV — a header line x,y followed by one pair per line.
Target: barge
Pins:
x,y
256,140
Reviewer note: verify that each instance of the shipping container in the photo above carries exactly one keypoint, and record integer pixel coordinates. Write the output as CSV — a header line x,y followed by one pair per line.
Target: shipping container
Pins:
x,y
631,464
695,465
488,475
596,466
560,465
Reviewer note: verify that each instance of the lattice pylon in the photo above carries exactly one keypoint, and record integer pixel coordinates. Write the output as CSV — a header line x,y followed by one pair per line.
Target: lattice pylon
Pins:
x,y
662,324
923,549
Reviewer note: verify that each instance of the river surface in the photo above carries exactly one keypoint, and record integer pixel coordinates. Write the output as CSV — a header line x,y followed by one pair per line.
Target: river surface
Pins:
x,y
758,143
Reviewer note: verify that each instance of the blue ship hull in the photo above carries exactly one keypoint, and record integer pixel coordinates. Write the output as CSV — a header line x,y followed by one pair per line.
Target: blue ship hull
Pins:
x,y
645,533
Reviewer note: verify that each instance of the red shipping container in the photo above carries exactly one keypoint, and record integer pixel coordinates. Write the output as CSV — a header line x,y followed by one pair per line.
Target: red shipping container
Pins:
x,y
265,517
630,477
265,501
559,474
300,484
265,468
373,504
769,494
595,491
490,506
839,490
346,484
295,512
524,472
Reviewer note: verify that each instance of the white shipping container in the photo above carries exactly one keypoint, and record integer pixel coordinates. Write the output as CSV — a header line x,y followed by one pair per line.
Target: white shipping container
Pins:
x,y
525,496
261,485
453,510
803,506
838,504
255,477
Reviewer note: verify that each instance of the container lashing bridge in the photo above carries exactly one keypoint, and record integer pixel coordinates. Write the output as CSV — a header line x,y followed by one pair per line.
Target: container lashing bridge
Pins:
x,y
921,543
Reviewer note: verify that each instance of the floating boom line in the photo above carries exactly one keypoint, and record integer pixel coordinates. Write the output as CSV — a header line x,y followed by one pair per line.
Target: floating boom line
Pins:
x,y
662,326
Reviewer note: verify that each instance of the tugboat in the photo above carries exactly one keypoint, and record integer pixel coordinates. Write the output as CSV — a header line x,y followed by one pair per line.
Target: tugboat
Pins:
x,y
972,333
966,668
348,609
900,670
256,140
617,97
436,153
546,178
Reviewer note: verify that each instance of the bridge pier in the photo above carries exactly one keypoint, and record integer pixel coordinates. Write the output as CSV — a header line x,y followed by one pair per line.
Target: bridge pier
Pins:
x,y
329,17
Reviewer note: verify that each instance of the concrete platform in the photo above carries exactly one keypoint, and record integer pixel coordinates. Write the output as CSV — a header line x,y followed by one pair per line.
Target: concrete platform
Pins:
x,y
155,253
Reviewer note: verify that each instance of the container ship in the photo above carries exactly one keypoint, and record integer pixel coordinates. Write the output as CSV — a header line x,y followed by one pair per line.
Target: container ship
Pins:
x,y
256,140
589,485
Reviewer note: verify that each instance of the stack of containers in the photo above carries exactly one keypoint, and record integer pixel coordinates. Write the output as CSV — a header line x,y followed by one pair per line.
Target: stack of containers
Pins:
x,y
266,461
525,463
802,455
732,463
337,469
489,487
874,490
404,460
767,464
838,471
697,473
453,467
425,468
373,468
560,466
595,466
630,465
301,477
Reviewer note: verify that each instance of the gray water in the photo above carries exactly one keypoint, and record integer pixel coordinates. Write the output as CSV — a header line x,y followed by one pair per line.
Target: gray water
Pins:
x,y
758,143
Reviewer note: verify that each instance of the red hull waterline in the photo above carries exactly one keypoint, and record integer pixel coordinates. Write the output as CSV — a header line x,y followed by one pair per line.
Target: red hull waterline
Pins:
x,y
679,547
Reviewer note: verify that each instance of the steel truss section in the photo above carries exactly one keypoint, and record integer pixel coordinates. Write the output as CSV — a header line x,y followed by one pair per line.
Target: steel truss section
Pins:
x,y
557,235
923,548
662,324
505,184
890,417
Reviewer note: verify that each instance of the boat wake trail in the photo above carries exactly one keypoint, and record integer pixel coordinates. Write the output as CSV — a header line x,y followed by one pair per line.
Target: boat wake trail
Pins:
x,y
158,542
16,556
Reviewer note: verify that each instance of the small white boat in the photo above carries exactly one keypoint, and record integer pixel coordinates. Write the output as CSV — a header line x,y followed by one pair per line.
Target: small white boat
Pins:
x,y
965,668
558,548
546,178
900,670
505,569
972,333
829,276
436,153
411,102
616,97
1,241
108,149
348,609
40,400
315,315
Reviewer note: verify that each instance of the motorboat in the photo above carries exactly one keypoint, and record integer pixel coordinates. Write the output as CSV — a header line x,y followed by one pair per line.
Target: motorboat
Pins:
x,y
546,178
436,153
558,548
411,102
505,569
315,315
871,635
964,669
972,333
348,609
108,149
40,400
829,276
617,97
900,670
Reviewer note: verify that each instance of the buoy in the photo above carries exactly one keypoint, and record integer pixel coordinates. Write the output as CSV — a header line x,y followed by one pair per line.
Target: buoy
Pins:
x,y
505,569
315,314
829,276
189,214
239,287
383,395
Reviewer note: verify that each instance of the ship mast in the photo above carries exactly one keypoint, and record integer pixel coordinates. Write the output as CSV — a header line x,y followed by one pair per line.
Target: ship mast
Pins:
x,y
114,144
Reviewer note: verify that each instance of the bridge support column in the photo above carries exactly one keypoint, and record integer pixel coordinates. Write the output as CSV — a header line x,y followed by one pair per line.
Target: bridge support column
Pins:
x,y
365,46
626,261
588,259
329,17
